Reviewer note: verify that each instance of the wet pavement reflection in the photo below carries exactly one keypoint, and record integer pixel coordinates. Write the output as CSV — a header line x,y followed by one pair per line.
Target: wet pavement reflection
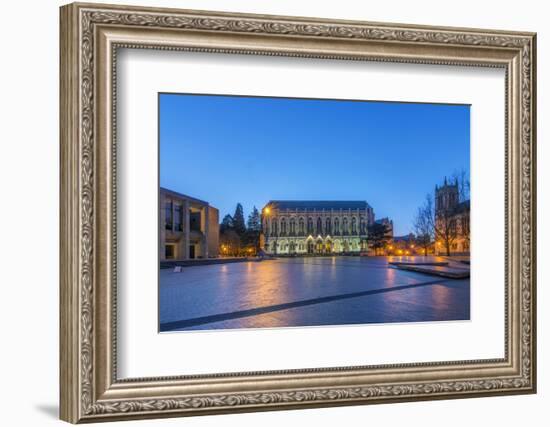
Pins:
x,y
306,292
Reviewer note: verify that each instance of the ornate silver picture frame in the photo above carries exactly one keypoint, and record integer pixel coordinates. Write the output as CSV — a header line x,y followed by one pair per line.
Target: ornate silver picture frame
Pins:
x,y
91,390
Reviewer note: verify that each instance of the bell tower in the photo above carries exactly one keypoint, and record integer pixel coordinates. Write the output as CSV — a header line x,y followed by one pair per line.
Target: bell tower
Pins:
x,y
446,197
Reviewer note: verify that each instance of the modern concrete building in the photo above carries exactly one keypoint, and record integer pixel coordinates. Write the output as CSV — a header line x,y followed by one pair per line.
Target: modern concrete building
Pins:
x,y
315,227
188,227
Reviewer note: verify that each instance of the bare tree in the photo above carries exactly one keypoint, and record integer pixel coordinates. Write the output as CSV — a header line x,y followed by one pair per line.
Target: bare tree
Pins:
x,y
462,179
230,243
445,227
465,225
424,224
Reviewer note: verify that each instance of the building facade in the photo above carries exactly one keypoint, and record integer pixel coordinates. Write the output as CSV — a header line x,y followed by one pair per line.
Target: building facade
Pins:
x,y
388,223
188,227
403,245
452,221
315,227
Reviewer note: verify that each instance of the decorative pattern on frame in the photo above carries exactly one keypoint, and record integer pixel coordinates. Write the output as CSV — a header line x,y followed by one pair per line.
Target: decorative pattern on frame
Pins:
x,y
90,18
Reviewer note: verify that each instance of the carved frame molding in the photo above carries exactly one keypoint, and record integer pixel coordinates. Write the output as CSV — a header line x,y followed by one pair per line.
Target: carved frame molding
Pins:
x,y
90,37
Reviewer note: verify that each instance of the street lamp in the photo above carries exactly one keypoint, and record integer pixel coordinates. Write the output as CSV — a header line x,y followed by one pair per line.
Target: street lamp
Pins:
x,y
266,211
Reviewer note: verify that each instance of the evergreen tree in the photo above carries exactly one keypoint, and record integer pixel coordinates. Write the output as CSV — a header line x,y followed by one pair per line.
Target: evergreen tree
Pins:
x,y
238,220
227,223
254,223
378,236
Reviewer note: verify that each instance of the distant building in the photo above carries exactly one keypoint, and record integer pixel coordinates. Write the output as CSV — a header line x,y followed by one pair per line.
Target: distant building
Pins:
x,y
189,227
406,239
452,220
403,245
315,227
388,223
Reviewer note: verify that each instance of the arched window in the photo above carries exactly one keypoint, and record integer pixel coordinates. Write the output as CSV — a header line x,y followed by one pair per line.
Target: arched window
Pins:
x,y
292,226
353,226
319,225
345,230
302,227
310,225
336,226
362,226
283,227
327,226
274,227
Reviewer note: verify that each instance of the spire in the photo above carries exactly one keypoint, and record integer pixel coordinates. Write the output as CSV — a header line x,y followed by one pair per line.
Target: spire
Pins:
x,y
445,183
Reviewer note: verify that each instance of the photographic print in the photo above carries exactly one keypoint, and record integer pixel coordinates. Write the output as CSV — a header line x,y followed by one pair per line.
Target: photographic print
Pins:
x,y
288,212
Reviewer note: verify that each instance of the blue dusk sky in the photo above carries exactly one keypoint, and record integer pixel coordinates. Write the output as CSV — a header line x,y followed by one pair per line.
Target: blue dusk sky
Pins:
x,y
229,149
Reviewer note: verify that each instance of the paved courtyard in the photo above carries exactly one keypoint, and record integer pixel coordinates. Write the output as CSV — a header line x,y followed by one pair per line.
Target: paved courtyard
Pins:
x,y
306,292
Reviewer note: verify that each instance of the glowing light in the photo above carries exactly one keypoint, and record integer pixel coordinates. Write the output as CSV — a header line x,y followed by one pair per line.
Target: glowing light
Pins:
x,y
267,211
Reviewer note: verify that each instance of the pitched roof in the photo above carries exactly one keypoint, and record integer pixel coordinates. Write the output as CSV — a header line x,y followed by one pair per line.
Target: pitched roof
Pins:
x,y
405,238
317,204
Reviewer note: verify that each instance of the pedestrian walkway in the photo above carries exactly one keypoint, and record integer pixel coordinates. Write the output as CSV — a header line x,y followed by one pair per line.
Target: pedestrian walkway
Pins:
x,y
306,292
448,268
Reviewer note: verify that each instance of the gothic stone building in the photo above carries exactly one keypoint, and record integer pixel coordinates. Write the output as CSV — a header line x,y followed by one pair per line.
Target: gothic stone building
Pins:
x,y
452,220
316,227
189,227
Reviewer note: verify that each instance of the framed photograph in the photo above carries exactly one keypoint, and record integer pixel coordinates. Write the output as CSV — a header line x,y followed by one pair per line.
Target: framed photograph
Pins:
x,y
265,212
